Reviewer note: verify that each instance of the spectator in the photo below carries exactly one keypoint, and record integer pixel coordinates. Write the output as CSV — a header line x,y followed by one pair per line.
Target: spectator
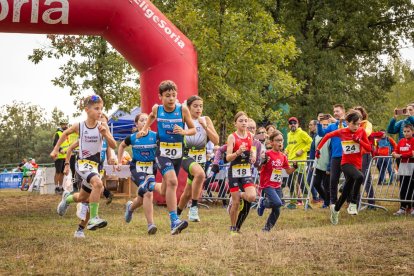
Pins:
x,y
60,160
299,143
337,122
312,134
395,127
383,146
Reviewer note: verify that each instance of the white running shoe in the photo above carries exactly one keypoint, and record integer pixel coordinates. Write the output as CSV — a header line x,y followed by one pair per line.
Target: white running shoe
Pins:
x,y
193,214
79,234
400,212
96,222
82,210
334,215
352,209
63,206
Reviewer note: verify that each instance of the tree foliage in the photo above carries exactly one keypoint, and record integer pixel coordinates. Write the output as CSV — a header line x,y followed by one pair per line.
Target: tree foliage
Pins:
x,y
26,132
92,66
243,56
341,43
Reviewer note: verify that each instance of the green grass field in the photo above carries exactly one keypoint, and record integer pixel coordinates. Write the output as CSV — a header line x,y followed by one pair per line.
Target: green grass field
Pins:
x,y
35,240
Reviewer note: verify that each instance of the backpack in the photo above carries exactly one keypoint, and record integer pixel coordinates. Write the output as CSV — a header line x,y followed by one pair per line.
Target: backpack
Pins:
x,y
384,147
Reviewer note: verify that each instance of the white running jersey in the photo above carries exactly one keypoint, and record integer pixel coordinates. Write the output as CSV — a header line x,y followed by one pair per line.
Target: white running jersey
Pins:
x,y
90,142
199,140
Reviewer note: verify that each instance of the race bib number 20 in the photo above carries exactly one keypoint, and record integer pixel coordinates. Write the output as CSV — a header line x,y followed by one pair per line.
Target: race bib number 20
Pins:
x,y
171,150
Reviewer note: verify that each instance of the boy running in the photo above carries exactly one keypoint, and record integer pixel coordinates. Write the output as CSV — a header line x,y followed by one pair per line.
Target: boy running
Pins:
x,y
91,134
170,117
271,179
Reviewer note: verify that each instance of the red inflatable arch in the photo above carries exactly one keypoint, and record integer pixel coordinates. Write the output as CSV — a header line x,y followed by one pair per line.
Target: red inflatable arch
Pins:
x,y
136,28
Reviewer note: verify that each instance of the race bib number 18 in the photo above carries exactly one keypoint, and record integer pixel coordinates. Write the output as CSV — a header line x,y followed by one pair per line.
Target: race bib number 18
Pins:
x,y
198,155
171,150
350,147
241,170
145,167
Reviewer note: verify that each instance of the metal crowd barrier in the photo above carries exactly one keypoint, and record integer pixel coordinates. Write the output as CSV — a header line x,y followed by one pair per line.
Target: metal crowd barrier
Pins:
x,y
295,187
388,177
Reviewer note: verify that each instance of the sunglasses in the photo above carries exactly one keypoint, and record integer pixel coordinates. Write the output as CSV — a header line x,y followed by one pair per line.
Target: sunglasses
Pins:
x,y
293,123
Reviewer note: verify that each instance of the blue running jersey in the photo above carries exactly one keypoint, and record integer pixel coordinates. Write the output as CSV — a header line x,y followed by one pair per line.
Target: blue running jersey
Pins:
x,y
143,149
165,124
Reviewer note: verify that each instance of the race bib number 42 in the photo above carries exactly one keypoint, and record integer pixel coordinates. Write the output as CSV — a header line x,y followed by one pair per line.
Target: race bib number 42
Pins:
x,y
350,147
276,176
171,150
241,170
198,155
87,166
145,167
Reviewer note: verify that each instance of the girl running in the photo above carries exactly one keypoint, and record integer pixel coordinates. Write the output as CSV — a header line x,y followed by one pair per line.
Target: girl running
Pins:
x,y
353,137
241,155
271,179
195,156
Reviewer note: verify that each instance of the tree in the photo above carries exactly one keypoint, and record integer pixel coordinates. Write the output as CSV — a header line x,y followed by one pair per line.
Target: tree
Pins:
x,y
57,116
25,132
92,65
243,56
341,43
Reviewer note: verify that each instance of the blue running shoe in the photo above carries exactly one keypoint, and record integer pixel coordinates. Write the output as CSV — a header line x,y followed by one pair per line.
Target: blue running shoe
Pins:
x,y
177,226
147,185
128,213
261,206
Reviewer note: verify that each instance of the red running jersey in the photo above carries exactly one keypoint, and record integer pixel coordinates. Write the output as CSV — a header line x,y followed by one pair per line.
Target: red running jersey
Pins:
x,y
405,147
271,172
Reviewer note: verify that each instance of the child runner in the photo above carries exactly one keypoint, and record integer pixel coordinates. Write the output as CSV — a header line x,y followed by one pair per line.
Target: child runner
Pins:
x,y
91,134
195,156
240,155
353,137
271,179
170,117
142,169
405,151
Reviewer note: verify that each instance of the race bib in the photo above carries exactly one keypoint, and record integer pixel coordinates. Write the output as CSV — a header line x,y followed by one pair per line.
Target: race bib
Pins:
x,y
87,166
145,167
200,156
241,170
350,147
276,176
171,150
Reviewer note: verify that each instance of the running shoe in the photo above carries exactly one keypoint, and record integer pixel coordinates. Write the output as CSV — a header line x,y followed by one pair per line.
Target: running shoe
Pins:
x,y
82,210
96,223
352,209
79,234
193,214
177,226
334,215
400,212
128,213
152,229
63,206
261,206
291,206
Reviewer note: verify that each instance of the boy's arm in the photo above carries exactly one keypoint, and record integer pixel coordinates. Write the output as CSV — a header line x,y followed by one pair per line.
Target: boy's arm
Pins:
x,y
104,130
121,150
151,118
63,137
